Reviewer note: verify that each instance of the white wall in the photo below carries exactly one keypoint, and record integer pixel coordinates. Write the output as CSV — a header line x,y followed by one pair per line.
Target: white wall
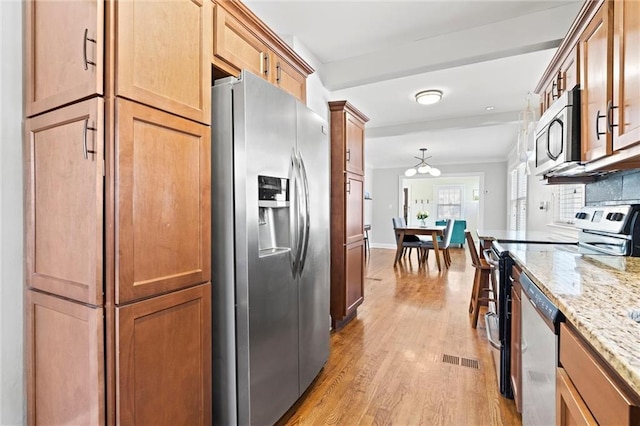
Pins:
x,y
368,187
423,194
386,197
12,398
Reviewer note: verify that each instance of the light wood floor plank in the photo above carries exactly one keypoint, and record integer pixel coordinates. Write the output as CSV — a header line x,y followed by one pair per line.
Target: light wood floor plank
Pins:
x,y
386,366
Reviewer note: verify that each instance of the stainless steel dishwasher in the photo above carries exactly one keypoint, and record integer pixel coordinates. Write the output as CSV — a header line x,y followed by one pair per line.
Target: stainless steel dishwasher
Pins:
x,y
540,318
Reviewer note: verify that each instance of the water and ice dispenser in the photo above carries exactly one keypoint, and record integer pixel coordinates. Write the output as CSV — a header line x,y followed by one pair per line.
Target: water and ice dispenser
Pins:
x,y
273,215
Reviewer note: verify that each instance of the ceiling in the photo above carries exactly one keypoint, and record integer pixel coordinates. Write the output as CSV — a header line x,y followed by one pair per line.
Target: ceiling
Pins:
x,y
378,54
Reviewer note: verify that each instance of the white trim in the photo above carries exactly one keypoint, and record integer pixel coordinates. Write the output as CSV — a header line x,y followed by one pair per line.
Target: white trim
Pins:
x,y
383,246
479,175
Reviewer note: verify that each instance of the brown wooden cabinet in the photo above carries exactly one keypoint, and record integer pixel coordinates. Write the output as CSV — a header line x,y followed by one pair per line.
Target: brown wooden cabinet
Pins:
x,y
162,55
595,81
624,119
347,222
64,203
570,408
593,387
516,338
64,57
64,344
117,210
163,203
236,48
569,74
164,365
242,41
354,212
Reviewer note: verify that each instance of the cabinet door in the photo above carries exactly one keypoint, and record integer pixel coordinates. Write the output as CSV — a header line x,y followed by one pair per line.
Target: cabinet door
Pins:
x,y
64,163
163,55
516,346
569,74
595,81
163,202
64,344
63,52
288,78
163,370
354,215
236,47
626,80
354,259
570,408
355,145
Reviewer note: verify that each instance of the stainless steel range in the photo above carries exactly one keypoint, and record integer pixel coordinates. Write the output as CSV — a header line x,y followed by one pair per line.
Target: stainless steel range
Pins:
x,y
603,230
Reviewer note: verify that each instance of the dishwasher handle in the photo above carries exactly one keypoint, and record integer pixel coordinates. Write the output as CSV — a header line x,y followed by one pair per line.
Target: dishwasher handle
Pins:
x,y
488,318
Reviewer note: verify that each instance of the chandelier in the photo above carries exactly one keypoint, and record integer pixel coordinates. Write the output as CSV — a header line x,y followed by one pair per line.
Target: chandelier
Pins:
x,y
422,167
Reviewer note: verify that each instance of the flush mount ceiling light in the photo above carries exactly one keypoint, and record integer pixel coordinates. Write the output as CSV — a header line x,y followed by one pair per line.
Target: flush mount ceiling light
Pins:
x,y
422,167
428,97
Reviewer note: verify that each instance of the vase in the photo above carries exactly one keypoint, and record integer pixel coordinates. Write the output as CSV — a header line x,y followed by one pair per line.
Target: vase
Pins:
x,y
423,222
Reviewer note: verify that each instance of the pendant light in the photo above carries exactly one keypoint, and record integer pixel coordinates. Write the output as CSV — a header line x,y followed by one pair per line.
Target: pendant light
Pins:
x,y
422,167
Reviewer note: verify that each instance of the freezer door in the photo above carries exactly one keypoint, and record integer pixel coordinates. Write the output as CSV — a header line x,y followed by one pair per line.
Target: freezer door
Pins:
x,y
266,290
313,150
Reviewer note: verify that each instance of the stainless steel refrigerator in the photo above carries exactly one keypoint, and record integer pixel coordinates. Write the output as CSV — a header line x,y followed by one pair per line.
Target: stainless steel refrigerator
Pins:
x,y
270,249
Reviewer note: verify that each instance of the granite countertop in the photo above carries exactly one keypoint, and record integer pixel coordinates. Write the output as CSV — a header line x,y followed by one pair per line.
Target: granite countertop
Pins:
x,y
596,294
506,236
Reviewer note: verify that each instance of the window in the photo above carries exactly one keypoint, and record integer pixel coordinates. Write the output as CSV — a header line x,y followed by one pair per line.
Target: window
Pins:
x,y
518,199
449,202
567,200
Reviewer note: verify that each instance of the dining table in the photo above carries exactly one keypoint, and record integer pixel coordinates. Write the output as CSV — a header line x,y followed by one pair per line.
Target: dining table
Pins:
x,y
434,231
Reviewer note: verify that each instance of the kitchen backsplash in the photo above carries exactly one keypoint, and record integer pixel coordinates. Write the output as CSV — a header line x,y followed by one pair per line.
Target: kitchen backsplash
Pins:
x,y
618,188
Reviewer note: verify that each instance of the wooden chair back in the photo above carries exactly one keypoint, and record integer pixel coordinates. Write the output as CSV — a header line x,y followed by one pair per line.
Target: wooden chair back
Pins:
x,y
475,259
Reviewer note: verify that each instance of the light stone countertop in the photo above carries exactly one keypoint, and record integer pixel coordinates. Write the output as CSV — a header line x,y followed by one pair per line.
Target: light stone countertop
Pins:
x,y
595,293
507,236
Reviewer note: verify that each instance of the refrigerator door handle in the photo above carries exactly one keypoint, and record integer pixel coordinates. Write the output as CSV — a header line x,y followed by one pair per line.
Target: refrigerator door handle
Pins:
x,y
294,221
304,210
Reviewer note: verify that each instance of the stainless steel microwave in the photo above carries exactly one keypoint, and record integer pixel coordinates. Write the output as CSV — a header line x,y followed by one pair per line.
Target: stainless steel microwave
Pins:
x,y
557,142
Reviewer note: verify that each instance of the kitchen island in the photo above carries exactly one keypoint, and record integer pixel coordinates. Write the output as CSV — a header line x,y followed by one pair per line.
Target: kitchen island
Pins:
x,y
596,293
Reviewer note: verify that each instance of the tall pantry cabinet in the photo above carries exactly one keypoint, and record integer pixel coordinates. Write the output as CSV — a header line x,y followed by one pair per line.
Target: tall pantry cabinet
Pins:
x,y
347,211
117,205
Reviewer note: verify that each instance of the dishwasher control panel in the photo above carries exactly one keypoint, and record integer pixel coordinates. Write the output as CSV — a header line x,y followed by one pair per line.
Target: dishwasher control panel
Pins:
x,y
539,300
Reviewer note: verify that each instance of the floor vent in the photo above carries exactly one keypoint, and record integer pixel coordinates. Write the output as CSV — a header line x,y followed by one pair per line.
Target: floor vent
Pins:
x,y
471,363
464,362
374,279
451,359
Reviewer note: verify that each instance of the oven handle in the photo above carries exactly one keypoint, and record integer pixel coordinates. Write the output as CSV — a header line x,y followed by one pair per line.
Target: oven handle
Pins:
x,y
486,325
489,257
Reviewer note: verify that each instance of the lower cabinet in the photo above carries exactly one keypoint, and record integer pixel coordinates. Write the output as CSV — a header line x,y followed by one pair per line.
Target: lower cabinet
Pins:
x,y
347,284
64,345
570,408
588,391
162,365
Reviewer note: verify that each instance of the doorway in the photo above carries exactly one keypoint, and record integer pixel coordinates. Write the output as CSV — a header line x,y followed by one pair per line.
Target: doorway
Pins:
x,y
441,196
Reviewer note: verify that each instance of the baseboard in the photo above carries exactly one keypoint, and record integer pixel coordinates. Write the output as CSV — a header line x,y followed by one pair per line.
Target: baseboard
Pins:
x,y
384,246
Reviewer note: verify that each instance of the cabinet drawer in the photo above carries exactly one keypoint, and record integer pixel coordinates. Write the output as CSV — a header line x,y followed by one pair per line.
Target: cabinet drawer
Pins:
x,y
607,401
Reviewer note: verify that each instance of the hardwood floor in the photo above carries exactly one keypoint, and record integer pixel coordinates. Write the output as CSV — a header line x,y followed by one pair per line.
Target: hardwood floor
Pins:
x,y
386,366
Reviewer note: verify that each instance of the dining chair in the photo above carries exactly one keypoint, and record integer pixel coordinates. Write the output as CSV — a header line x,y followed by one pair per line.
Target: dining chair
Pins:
x,y
443,244
410,241
481,280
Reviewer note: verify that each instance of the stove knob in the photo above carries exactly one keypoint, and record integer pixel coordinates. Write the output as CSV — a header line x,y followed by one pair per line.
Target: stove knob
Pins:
x,y
619,217
610,216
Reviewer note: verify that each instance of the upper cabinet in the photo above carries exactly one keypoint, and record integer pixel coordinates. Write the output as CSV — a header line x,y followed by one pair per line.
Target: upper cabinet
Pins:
x,y
624,123
242,41
605,41
595,48
349,136
163,56
64,57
